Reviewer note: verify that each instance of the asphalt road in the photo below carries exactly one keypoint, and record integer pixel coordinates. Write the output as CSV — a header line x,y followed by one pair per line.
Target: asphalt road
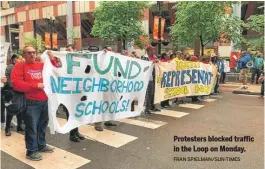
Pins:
x,y
229,115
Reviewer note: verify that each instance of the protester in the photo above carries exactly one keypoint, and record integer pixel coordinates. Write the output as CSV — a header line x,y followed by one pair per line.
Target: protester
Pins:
x,y
257,64
98,125
244,70
3,117
14,60
74,136
165,58
149,100
222,70
173,56
188,57
194,58
215,63
27,77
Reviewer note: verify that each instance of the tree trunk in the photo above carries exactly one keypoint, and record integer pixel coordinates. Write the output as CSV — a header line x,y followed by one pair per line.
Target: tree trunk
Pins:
x,y
202,50
202,46
123,44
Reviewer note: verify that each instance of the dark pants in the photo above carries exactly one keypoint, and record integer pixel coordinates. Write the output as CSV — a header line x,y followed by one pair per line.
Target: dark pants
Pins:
x,y
9,119
2,111
262,89
165,103
149,98
194,98
75,130
216,85
36,122
222,79
132,106
255,72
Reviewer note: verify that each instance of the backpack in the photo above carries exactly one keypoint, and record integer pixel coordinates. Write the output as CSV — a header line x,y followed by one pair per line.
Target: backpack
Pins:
x,y
15,102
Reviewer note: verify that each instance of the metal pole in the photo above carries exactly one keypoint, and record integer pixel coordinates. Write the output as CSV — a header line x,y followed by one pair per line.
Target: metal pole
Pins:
x,y
50,21
69,17
159,27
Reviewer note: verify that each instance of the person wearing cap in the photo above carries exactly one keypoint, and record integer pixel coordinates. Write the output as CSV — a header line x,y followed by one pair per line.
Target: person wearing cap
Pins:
x,y
244,70
150,56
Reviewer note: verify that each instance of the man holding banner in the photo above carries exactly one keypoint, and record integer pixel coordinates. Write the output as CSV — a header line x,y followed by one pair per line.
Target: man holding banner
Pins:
x,y
150,94
27,77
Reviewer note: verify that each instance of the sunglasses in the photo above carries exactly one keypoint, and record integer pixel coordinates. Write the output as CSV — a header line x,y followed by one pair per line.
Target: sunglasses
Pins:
x,y
31,52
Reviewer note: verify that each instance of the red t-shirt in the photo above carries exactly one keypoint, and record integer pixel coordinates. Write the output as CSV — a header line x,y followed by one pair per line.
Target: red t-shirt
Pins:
x,y
25,78
152,58
165,60
194,59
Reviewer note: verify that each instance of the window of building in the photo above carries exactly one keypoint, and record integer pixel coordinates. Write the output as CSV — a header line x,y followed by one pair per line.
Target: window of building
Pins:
x,y
13,4
86,24
58,26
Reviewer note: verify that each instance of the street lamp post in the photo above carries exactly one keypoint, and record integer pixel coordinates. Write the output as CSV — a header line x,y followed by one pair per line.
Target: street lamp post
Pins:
x,y
159,5
51,24
159,41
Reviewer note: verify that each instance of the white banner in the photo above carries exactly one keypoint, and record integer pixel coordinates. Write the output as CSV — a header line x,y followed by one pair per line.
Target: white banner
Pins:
x,y
3,57
183,78
94,87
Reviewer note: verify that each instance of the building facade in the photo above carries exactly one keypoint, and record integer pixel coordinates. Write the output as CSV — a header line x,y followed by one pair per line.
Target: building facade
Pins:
x,y
74,20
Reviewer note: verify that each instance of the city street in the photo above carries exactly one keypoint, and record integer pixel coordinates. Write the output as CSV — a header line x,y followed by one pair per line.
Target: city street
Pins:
x,y
148,141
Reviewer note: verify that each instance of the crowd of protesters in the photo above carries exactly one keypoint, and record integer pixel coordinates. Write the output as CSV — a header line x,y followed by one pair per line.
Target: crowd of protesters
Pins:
x,y
24,74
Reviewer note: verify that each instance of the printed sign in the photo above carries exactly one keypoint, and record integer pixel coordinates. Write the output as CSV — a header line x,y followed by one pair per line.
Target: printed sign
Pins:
x,y
94,87
182,78
3,57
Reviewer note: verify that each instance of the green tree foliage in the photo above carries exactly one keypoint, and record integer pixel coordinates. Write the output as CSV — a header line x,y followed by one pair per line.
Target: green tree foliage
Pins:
x,y
256,23
205,21
37,43
120,20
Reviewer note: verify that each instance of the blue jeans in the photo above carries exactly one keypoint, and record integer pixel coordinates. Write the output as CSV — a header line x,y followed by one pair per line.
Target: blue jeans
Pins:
x,y
36,122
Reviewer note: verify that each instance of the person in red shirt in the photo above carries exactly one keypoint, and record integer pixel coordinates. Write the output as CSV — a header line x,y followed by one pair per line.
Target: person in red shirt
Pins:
x,y
165,57
27,77
194,58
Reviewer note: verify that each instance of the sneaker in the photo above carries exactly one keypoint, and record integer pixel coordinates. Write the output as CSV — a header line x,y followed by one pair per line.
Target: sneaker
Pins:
x,y
147,112
108,123
35,156
80,136
47,149
98,128
7,132
74,138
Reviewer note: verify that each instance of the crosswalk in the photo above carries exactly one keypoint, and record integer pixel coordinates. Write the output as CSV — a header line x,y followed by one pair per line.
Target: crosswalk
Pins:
x,y
63,159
